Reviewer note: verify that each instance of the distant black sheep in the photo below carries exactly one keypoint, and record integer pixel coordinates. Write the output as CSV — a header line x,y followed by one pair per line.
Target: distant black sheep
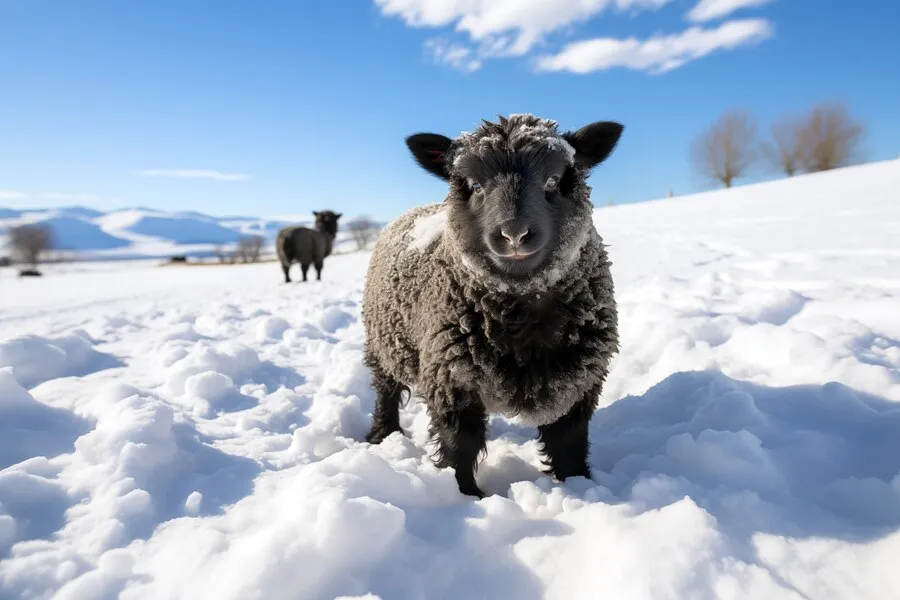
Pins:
x,y
307,246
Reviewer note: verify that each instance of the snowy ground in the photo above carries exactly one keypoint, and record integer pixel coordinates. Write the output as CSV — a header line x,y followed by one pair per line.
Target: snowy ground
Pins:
x,y
193,432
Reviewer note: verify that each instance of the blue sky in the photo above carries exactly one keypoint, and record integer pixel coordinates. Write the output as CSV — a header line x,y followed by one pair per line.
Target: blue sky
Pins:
x,y
277,107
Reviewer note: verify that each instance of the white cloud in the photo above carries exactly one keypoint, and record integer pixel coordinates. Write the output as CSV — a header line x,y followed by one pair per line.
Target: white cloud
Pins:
x,y
194,174
657,54
457,56
501,27
11,195
708,10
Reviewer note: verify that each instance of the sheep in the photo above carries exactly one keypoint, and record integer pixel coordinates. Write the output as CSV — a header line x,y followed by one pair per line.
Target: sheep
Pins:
x,y
498,299
307,246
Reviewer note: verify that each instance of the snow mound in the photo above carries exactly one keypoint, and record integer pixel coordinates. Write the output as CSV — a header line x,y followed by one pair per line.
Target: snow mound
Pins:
x,y
35,359
136,469
29,428
787,459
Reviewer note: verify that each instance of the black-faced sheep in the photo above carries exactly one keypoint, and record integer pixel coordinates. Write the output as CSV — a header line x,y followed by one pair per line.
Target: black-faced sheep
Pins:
x,y
307,246
499,299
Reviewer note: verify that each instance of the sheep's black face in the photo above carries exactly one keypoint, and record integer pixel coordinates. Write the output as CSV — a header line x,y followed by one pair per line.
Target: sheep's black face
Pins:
x,y
327,221
516,185
510,206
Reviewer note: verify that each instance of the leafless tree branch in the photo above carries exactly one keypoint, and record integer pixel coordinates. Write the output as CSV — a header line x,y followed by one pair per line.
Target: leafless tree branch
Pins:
x,y
727,150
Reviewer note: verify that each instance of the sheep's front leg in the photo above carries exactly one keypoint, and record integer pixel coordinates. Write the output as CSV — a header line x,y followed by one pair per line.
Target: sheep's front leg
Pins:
x,y
386,416
565,442
461,433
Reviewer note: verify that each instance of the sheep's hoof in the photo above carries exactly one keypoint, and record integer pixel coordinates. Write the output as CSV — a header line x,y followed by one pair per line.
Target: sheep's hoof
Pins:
x,y
471,490
376,436
561,474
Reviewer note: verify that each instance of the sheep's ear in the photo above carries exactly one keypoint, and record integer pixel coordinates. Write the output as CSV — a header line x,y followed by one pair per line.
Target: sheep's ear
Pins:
x,y
338,216
593,143
315,213
430,151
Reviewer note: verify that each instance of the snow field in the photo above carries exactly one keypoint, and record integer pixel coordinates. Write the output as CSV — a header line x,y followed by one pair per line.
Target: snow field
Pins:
x,y
195,432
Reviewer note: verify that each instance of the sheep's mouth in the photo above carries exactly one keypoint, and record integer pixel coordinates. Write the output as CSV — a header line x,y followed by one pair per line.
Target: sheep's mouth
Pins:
x,y
517,255
518,263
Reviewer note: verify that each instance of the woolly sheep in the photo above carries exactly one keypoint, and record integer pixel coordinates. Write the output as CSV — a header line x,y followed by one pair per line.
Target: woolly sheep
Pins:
x,y
499,299
307,246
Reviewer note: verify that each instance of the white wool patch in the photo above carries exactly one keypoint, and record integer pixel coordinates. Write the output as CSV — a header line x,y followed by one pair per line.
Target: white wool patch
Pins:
x,y
427,230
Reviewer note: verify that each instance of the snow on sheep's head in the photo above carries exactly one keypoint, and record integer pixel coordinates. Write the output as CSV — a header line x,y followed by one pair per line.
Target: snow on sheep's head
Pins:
x,y
518,201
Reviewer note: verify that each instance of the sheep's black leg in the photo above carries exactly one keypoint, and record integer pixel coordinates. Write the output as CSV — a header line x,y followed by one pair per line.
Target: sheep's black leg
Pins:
x,y
319,266
287,272
565,442
304,268
386,416
462,437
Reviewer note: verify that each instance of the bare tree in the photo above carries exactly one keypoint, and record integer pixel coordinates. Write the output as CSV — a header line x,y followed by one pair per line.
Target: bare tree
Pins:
x,y
249,248
726,150
831,137
787,151
363,230
30,241
221,254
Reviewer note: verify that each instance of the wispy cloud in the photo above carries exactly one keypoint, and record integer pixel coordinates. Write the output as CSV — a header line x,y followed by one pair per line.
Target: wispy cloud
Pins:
x,y
496,28
657,54
458,57
708,10
11,195
194,174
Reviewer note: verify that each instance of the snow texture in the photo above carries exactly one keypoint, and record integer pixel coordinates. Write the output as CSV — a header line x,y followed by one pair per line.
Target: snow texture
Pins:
x,y
195,433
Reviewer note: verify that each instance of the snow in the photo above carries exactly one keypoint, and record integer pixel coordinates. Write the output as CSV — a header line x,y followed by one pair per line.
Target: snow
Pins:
x,y
195,432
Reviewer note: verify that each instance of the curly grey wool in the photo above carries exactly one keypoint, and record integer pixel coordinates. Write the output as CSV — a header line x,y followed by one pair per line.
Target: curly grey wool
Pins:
x,y
450,310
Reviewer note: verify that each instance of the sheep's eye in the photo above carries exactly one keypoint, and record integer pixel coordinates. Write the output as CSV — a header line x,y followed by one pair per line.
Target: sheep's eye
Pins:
x,y
552,184
476,187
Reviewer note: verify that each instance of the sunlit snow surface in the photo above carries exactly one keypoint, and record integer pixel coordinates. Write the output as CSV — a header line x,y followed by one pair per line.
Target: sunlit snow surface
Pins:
x,y
194,432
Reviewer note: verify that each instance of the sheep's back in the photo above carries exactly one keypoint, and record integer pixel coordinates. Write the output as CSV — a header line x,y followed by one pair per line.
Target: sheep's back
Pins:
x,y
401,268
305,243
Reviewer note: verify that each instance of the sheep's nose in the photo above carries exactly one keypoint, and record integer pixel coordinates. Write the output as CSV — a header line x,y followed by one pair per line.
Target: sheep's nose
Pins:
x,y
514,231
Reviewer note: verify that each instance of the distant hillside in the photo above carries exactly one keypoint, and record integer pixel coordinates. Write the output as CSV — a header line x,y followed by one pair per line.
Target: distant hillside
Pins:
x,y
71,233
148,233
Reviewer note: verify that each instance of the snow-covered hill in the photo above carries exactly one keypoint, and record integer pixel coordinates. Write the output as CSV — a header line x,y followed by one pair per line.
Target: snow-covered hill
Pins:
x,y
145,233
195,432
